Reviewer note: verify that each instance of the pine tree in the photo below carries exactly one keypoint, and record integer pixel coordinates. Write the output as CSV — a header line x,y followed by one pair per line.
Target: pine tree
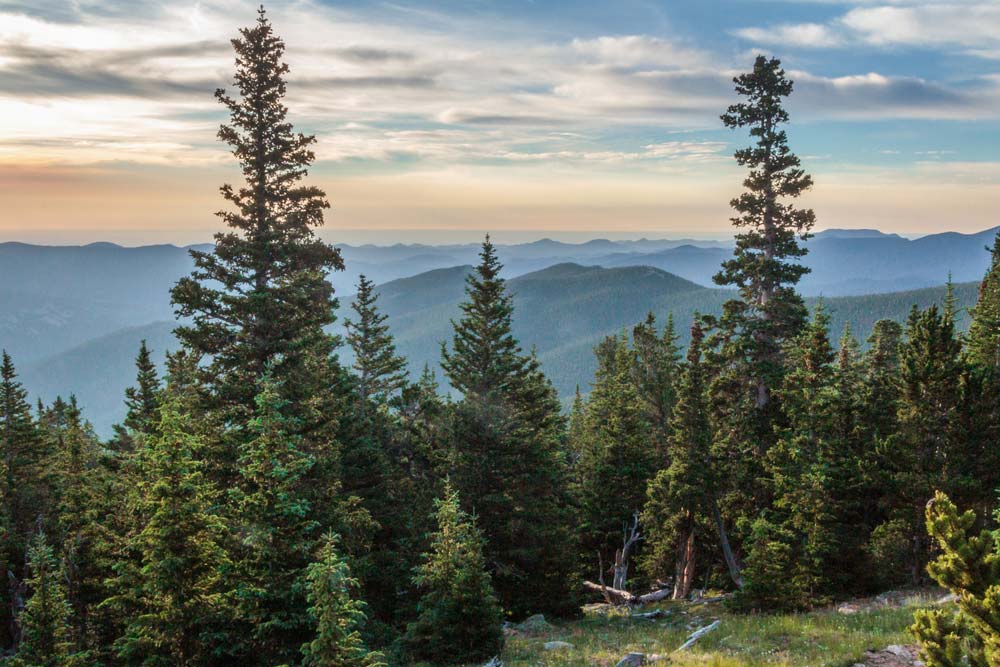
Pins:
x,y
657,359
45,620
681,498
141,400
279,528
803,471
926,454
380,371
459,618
969,566
260,300
763,267
337,617
485,359
617,462
180,589
504,453
23,490
983,340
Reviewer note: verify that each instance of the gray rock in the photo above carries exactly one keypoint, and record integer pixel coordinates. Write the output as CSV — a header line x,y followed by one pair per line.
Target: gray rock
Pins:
x,y
632,660
533,625
557,646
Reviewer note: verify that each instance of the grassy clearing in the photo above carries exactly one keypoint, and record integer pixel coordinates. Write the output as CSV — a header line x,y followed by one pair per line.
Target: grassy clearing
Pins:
x,y
817,639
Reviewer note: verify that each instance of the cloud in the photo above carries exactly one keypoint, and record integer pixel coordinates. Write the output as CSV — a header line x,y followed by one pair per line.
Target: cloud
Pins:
x,y
808,35
969,27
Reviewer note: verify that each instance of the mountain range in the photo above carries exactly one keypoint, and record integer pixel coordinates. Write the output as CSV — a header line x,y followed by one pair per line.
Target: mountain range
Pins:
x,y
73,316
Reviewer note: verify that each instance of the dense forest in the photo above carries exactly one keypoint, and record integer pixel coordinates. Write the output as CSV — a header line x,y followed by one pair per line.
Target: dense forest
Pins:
x,y
265,504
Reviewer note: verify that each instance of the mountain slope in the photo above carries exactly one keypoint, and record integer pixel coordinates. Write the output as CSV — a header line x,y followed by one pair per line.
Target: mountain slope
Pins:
x,y
562,311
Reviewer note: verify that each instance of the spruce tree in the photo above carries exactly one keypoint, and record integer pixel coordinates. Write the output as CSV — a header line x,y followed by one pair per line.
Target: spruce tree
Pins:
x,y
337,617
259,301
459,617
142,400
617,461
928,451
179,598
45,620
657,360
279,529
23,490
763,267
504,453
983,340
681,498
380,371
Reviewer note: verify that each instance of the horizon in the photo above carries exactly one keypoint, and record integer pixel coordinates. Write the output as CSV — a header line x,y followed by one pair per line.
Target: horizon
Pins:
x,y
468,237
452,119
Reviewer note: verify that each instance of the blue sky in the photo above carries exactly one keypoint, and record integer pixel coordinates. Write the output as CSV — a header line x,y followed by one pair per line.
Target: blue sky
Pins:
x,y
585,117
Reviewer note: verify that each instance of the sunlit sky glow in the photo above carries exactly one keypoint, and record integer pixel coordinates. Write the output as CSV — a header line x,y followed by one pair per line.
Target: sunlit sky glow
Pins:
x,y
550,116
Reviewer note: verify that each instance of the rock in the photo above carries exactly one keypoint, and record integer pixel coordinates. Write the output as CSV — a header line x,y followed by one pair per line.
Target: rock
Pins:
x,y
495,661
557,646
533,625
632,660
899,651
848,609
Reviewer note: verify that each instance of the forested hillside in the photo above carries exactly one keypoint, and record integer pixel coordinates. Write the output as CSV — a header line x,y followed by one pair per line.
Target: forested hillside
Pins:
x,y
583,304
282,492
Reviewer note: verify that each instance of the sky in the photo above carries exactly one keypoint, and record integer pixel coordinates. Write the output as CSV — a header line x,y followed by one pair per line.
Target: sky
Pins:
x,y
525,118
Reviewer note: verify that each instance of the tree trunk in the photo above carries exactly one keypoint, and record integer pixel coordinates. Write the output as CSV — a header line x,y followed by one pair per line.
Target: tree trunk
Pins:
x,y
684,571
621,597
727,550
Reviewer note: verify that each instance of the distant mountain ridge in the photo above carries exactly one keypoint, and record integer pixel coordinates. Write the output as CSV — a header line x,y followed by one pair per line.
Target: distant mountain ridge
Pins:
x,y
562,312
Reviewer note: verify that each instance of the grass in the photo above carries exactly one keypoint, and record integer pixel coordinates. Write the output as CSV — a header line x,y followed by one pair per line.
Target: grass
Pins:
x,y
822,638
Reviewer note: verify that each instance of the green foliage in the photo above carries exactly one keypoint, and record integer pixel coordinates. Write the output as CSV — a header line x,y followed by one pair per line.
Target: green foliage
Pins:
x,y
180,590
380,371
459,617
337,617
763,266
45,620
983,341
504,452
616,461
968,566
890,551
259,301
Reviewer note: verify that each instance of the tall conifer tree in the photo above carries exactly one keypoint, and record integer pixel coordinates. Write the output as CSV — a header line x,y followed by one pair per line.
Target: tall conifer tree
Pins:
x,y
505,448
45,621
259,301
380,371
764,267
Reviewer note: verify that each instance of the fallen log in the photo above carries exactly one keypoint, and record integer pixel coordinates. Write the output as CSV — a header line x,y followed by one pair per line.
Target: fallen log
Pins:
x,y
698,634
617,596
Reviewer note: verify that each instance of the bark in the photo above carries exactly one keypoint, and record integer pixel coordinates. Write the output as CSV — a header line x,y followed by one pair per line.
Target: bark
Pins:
x,y
620,597
685,567
727,550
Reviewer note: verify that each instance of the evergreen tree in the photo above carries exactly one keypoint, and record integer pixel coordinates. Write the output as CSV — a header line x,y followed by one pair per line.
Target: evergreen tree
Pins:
x,y
802,470
279,531
681,498
617,461
485,360
983,341
657,360
763,267
969,566
380,371
142,401
258,303
504,452
337,617
23,489
180,590
459,618
45,620
926,454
